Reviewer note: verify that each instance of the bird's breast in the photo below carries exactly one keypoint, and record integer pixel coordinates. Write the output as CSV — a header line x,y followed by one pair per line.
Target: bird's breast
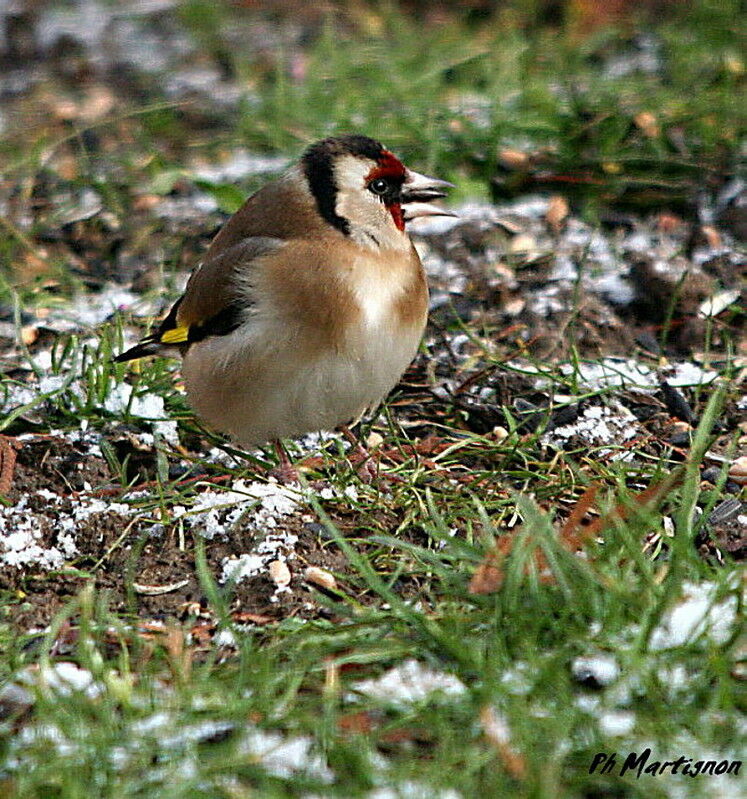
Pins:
x,y
391,294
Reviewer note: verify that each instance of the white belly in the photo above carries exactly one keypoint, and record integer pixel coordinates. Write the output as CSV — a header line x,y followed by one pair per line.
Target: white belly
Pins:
x,y
259,393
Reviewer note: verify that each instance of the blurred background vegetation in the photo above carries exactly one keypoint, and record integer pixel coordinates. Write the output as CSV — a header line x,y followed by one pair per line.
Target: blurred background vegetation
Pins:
x,y
627,105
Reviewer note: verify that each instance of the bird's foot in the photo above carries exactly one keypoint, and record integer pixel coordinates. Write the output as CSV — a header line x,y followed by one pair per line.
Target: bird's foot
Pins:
x,y
285,472
365,466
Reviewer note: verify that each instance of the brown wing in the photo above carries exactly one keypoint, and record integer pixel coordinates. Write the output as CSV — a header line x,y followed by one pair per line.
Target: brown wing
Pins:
x,y
212,304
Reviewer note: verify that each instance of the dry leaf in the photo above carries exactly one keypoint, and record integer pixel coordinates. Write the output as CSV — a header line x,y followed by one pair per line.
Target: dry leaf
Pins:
x,y
8,452
712,236
158,590
496,730
488,576
523,243
513,159
360,723
29,334
569,532
668,222
331,676
180,656
374,440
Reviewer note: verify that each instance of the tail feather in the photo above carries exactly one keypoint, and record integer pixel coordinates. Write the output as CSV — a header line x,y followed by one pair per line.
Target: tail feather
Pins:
x,y
148,346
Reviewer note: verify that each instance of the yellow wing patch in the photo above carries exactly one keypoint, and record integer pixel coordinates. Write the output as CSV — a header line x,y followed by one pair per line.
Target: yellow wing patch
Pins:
x,y
177,335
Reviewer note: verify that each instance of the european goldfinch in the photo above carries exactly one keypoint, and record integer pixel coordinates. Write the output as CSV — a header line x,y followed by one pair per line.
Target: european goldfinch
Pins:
x,y
310,302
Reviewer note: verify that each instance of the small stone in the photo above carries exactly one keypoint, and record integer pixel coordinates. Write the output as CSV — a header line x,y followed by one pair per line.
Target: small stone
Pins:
x,y
738,471
711,474
280,573
29,334
499,434
557,211
374,440
513,159
320,577
647,124
523,243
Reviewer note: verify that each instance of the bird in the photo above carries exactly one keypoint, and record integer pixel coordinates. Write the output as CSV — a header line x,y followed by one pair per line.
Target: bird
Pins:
x,y
310,302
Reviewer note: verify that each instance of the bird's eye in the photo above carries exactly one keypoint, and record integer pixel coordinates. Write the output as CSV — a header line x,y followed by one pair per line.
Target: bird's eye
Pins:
x,y
379,186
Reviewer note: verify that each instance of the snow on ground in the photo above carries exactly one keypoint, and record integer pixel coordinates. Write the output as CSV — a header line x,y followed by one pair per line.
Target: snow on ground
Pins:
x,y
697,613
596,426
408,682
39,531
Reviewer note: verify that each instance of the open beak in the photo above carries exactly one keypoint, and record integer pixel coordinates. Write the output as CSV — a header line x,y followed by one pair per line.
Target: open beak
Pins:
x,y
419,191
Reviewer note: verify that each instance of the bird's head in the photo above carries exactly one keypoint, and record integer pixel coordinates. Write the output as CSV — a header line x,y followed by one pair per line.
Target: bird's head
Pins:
x,y
366,192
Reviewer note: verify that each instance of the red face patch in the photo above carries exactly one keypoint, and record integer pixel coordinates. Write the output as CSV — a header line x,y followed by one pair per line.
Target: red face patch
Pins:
x,y
389,166
395,209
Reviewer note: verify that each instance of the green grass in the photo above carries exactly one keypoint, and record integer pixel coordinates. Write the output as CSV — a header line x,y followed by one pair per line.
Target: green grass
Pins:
x,y
512,650
448,98
404,594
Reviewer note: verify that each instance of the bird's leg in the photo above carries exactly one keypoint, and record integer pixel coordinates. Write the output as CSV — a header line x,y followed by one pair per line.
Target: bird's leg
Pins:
x,y
285,471
365,467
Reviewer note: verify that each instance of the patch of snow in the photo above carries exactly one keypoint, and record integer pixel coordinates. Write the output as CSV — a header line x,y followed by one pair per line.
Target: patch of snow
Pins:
x,y
589,704
260,506
434,225
187,209
120,399
517,679
530,205
563,268
332,492
674,678
153,723
315,441
61,678
616,723
246,565
413,790
614,288
602,669
409,682
688,374
284,757
91,309
15,394
224,637
597,425
613,373
645,58
24,529
694,615
547,301
203,80
195,733
216,511
241,164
